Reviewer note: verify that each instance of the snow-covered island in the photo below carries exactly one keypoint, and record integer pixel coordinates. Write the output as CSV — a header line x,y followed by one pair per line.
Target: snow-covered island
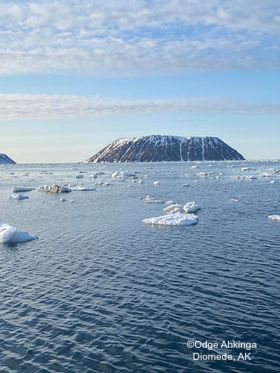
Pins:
x,y
163,148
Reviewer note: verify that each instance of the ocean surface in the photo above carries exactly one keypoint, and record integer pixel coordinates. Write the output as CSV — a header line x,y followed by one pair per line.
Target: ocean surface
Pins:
x,y
100,291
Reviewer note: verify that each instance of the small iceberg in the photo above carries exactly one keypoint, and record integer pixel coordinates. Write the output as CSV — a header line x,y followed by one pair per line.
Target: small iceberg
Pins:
x,y
157,182
18,196
173,219
11,235
274,217
22,189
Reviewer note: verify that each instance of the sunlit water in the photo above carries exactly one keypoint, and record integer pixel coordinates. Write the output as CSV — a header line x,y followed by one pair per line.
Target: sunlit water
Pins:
x,y
101,292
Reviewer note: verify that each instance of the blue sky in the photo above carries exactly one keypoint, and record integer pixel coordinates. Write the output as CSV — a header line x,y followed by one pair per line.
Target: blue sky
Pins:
x,y
75,74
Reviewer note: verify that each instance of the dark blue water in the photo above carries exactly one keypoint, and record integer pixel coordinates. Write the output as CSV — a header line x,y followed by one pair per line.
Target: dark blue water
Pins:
x,y
101,292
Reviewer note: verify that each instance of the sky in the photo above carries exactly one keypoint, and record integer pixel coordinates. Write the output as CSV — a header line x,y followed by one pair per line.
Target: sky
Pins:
x,y
76,74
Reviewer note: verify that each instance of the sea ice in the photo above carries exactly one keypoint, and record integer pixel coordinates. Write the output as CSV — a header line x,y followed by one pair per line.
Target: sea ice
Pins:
x,y
157,182
22,189
149,199
54,188
121,175
191,207
174,208
274,217
169,202
18,196
173,219
78,188
9,234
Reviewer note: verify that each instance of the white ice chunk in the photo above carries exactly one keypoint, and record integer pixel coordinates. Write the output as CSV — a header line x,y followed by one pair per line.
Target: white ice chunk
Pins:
x,y
18,196
78,188
169,202
22,189
174,208
274,217
157,182
124,175
149,199
191,207
9,234
173,219
54,188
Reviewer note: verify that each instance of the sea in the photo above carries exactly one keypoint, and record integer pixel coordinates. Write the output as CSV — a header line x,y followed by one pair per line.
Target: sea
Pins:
x,y
100,291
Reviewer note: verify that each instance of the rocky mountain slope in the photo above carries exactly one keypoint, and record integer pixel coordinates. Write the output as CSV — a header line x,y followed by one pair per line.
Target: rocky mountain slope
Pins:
x,y
162,148
4,159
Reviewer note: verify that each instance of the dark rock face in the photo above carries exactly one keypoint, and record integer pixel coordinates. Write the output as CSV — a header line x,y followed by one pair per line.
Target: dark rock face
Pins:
x,y
162,148
4,159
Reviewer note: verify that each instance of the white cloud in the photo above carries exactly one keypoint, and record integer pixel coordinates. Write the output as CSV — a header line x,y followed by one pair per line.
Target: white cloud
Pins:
x,y
38,107
137,37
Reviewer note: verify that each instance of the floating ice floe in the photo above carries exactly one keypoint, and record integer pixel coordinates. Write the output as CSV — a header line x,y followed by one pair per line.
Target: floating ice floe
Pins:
x,y
9,234
79,176
22,189
247,178
149,199
103,183
274,170
234,200
54,188
191,207
173,219
18,196
274,217
78,188
169,202
121,175
174,208
157,182
62,199
185,185
272,182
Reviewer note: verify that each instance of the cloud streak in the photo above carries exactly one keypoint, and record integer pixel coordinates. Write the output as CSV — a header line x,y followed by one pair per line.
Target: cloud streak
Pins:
x,y
137,37
55,107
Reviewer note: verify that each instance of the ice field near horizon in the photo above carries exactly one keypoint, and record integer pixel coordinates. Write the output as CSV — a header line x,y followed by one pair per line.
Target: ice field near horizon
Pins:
x,y
101,291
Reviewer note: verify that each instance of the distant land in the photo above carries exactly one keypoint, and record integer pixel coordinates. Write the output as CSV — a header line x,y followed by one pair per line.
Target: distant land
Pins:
x,y
4,159
163,148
